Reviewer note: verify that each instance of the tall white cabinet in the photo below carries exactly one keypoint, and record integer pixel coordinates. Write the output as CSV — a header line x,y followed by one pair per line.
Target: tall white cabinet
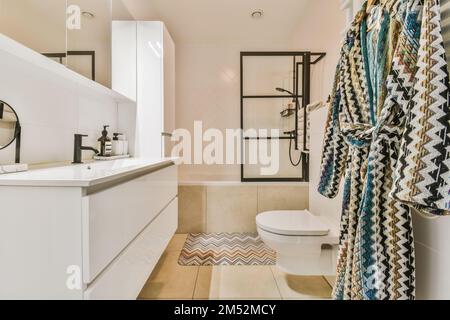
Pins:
x,y
143,69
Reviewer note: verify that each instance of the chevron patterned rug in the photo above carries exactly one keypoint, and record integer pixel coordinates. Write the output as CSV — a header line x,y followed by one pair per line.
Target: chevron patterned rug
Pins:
x,y
225,249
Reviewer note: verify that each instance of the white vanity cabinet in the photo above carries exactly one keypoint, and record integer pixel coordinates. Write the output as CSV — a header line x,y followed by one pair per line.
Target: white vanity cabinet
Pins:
x,y
97,237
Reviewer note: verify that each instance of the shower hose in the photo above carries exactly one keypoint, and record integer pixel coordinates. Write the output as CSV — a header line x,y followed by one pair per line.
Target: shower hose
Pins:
x,y
291,158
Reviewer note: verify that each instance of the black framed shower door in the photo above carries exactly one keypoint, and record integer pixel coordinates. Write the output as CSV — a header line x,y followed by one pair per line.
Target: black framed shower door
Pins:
x,y
304,59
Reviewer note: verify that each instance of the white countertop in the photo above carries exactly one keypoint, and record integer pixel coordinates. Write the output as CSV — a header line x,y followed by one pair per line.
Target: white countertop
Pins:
x,y
84,175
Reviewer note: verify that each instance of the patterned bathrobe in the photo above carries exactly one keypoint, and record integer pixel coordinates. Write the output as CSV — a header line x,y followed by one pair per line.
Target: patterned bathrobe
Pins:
x,y
388,134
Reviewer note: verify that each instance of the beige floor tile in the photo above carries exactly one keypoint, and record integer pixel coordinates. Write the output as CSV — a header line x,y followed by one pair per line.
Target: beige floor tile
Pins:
x,y
170,280
236,283
301,288
177,243
203,285
331,280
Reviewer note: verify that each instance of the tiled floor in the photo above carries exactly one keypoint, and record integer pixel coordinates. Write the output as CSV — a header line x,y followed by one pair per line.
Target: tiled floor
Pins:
x,y
172,281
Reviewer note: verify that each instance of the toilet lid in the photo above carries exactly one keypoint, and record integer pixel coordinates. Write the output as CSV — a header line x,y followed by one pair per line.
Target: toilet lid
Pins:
x,y
292,223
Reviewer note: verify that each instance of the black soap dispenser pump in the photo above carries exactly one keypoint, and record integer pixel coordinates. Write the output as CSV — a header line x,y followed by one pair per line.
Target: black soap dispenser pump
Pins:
x,y
105,143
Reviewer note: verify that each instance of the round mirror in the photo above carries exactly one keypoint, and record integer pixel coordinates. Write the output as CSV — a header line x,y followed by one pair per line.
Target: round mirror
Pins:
x,y
9,124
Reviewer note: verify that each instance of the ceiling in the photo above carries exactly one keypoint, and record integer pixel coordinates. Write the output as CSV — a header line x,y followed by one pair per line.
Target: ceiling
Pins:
x,y
223,21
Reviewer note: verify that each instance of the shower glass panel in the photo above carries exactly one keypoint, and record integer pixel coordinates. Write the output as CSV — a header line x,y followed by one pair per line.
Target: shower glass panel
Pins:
x,y
275,90
264,74
267,114
271,113
284,170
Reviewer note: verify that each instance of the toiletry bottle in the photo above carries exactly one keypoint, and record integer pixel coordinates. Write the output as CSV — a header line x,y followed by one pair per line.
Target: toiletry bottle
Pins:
x,y
117,146
105,143
125,144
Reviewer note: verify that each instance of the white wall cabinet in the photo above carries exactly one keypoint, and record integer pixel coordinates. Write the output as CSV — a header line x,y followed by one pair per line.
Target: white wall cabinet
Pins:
x,y
143,68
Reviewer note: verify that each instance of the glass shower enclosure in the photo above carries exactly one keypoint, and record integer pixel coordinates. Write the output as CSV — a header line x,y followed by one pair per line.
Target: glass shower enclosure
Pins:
x,y
275,93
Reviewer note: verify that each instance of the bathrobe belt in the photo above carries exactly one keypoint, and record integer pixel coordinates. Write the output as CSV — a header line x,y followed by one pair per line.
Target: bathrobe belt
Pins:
x,y
362,135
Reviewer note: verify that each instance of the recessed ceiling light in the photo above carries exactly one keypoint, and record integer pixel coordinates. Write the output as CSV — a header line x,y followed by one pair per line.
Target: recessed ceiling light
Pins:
x,y
88,14
257,14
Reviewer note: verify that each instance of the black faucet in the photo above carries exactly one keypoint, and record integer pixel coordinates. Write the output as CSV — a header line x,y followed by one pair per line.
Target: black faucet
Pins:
x,y
78,148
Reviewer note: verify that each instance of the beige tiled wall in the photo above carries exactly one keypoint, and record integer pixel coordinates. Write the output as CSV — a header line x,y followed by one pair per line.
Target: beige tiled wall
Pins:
x,y
234,208
192,209
282,198
231,209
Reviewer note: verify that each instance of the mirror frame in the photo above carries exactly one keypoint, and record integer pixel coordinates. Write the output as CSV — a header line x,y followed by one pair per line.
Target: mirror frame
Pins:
x,y
17,132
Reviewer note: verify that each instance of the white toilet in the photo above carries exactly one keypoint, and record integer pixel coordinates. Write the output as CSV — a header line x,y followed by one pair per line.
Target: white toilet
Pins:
x,y
305,244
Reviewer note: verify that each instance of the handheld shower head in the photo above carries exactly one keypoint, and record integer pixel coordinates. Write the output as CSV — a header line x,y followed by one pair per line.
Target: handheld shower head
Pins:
x,y
284,90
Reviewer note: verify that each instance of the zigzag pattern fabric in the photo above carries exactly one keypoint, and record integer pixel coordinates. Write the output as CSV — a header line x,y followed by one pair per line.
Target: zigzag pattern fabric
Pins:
x,y
388,135
229,249
423,174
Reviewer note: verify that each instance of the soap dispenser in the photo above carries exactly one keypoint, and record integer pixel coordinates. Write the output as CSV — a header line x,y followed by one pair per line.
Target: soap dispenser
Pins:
x,y
117,145
124,140
105,143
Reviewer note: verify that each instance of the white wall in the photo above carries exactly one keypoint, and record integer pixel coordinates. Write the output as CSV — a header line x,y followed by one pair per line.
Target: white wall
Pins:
x,y
52,110
208,89
351,8
432,240
321,30
120,11
327,21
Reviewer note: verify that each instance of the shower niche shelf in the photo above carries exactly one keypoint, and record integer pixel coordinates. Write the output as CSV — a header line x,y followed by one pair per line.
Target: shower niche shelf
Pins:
x,y
286,113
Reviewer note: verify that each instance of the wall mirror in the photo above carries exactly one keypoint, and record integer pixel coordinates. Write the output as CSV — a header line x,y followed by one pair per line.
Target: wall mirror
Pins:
x,y
89,45
38,24
9,125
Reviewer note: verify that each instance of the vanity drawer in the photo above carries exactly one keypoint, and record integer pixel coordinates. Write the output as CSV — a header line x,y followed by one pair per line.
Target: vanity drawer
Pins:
x,y
112,218
127,274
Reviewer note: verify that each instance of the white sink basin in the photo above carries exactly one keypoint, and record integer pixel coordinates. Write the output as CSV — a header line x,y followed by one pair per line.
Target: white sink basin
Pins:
x,y
83,175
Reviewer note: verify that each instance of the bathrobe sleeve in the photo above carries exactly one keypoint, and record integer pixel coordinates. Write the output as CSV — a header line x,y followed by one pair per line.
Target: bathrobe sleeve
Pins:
x,y
422,177
335,149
